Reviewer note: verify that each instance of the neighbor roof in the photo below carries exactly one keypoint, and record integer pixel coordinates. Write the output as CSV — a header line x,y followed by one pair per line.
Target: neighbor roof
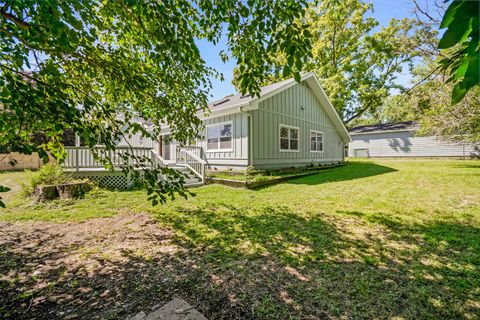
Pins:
x,y
241,102
400,126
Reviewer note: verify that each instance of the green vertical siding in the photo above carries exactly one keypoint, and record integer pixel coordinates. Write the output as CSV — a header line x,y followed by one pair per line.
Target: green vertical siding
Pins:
x,y
285,108
239,155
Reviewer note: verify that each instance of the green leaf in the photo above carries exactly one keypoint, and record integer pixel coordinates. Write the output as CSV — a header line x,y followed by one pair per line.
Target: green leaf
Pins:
x,y
456,33
458,92
461,69
472,74
297,76
449,15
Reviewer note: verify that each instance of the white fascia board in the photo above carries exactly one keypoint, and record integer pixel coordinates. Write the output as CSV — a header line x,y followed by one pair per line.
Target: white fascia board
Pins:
x,y
224,111
317,89
218,113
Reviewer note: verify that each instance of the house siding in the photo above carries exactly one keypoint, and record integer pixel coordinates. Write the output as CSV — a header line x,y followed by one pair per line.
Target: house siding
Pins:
x,y
285,108
134,141
405,144
238,157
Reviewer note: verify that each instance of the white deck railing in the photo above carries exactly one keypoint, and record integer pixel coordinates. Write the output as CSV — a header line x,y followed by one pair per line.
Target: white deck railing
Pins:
x,y
191,157
197,151
83,158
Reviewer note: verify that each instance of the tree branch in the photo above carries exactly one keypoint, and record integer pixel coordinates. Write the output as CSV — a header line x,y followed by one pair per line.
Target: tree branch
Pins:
x,y
418,83
425,13
20,23
357,114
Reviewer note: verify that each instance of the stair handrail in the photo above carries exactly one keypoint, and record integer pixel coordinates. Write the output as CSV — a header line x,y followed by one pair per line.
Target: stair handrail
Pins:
x,y
197,168
157,158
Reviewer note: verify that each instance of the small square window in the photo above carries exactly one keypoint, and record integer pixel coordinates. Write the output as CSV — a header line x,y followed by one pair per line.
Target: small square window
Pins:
x,y
219,137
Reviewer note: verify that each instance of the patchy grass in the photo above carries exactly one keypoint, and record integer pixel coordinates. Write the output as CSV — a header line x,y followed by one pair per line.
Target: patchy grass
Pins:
x,y
382,239
264,175
227,176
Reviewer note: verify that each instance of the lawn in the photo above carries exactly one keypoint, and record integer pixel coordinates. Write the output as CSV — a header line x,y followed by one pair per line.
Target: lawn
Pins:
x,y
397,239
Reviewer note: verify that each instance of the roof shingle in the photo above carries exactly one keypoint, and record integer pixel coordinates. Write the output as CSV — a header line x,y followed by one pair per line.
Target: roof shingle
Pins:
x,y
400,126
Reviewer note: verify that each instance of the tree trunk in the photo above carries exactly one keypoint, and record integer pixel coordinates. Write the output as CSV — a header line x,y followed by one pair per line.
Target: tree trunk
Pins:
x,y
45,193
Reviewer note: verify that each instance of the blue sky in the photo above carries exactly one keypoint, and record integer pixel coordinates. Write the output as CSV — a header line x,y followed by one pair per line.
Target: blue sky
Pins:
x,y
384,10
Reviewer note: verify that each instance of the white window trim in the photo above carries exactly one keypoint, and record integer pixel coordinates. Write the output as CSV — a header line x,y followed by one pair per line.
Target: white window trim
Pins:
x,y
219,124
280,138
310,141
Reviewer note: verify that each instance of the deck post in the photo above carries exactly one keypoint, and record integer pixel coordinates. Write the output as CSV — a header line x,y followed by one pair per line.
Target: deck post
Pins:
x,y
77,150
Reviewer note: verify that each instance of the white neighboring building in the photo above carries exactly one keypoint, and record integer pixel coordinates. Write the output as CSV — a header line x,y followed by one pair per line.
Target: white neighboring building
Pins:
x,y
399,140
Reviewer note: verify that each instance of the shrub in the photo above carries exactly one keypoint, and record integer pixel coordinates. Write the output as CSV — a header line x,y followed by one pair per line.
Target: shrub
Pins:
x,y
476,152
49,174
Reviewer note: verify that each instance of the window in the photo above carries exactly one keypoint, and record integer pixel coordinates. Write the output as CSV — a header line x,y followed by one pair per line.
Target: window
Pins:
x,y
219,137
140,140
316,141
288,138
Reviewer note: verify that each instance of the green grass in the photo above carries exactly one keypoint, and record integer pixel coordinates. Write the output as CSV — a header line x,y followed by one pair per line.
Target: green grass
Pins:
x,y
223,175
261,176
373,239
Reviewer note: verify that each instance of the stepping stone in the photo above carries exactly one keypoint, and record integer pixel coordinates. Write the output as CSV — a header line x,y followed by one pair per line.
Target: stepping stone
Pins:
x,y
139,316
177,309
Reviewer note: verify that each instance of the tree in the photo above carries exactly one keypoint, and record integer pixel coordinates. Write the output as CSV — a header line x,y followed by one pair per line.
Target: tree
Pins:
x,y
356,60
462,21
458,122
93,65
429,101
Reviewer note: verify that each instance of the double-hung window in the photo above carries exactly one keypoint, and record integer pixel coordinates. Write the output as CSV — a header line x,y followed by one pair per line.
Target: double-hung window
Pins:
x,y
288,138
316,141
219,137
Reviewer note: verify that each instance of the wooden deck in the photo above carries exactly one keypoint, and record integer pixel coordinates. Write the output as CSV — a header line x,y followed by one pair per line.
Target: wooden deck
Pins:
x,y
83,159
85,163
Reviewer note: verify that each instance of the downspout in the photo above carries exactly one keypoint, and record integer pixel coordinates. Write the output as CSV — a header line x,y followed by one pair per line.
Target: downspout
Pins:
x,y
250,136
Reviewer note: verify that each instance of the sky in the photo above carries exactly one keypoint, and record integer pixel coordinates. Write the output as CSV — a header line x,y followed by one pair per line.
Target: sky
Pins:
x,y
384,10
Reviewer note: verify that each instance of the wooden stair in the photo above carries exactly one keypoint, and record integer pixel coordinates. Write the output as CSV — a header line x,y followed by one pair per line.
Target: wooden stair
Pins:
x,y
191,180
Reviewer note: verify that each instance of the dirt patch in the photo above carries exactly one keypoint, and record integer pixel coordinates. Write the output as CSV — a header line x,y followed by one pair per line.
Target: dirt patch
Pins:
x,y
72,270
112,268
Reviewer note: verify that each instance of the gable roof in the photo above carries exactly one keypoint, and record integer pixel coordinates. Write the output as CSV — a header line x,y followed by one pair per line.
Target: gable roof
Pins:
x,y
240,99
387,127
239,102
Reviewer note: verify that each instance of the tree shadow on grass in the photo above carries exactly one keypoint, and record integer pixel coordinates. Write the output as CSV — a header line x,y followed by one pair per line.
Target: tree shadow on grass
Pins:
x,y
470,165
351,171
316,267
243,263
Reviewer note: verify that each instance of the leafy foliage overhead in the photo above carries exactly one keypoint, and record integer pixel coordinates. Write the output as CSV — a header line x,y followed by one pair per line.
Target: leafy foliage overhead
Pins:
x,y
462,23
356,59
94,65
430,104
429,100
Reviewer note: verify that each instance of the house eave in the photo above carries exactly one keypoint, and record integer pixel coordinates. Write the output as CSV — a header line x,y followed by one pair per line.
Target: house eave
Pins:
x,y
381,131
237,108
